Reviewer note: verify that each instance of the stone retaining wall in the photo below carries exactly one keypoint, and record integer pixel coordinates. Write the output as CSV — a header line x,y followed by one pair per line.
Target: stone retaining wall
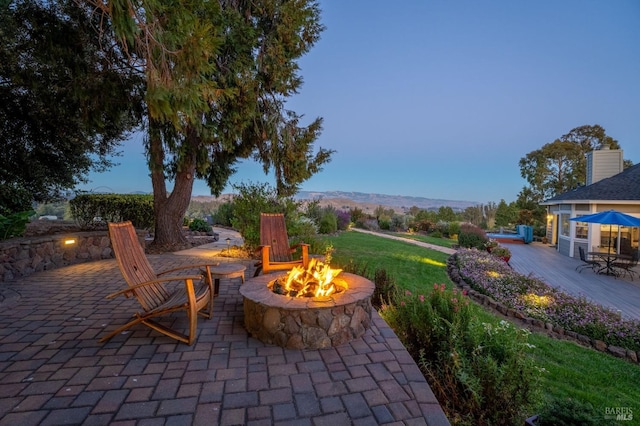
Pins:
x,y
536,324
43,247
20,257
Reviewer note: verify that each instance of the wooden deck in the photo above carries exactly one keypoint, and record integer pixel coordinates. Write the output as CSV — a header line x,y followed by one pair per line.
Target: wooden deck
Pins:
x,y
543,262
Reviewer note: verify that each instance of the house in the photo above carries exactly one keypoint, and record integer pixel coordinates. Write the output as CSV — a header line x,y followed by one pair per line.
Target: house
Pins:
x,y
607,187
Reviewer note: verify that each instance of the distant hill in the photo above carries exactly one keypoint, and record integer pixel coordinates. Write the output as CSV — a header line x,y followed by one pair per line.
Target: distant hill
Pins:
x,y
368,202
342,199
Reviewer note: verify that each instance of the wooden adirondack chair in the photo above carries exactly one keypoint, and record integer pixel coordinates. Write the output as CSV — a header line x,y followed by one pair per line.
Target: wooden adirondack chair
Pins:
x,y
195,295
276,253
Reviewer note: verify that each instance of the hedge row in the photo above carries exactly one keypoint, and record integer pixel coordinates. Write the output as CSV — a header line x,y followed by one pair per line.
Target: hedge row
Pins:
x,y
92,209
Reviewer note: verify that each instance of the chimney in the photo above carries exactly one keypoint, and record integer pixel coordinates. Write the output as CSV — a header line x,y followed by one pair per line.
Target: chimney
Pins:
x,y
603,163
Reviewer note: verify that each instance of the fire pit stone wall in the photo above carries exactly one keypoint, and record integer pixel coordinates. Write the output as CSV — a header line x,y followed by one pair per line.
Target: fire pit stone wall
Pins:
x,y
306,322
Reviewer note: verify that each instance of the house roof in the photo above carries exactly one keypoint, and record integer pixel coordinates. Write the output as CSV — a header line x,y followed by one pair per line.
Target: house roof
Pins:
x,y
624,186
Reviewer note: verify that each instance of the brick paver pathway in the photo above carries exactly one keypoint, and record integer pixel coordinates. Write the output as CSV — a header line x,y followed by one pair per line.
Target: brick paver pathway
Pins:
x,y
53,371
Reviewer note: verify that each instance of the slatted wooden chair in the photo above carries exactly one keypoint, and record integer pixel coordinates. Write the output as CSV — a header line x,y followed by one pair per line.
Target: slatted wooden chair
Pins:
x,y
195,295
275,251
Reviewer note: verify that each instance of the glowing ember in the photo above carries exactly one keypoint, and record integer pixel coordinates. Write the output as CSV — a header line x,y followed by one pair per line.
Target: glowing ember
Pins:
x,y
318,280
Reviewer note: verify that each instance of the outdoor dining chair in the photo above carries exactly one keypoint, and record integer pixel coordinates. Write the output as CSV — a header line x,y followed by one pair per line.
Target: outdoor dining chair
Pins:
x,y
586,262
626,265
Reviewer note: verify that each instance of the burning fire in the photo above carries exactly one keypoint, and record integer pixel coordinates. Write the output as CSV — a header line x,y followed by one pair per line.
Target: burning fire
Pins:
x,y
318,280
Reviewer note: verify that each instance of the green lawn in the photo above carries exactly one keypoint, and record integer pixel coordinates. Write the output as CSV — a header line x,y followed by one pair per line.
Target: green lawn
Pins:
x,y
413,267
571,371
443,242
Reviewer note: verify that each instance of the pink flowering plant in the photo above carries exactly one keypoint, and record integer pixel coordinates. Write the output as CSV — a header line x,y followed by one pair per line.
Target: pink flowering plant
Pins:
x,y
536,299
480,372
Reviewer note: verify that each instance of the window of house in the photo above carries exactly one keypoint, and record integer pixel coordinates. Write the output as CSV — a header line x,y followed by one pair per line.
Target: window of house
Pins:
x,y
564,224
582,230
609,238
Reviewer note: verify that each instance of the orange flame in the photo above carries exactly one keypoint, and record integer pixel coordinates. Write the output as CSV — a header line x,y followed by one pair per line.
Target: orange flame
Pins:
x,y
316,279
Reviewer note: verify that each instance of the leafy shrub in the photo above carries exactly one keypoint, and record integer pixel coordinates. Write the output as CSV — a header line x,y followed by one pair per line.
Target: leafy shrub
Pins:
x,y
52,209
14,199
386,289
443,228
569,412
305,230
328,223
398,223
14,224
313,211
200,225
224,214
113,208
368,223
480,372
423,225
500,251
436,234
352,267
256,198
357,215
343,219
471,236
453,229
384,223
540,231
490,244
302,229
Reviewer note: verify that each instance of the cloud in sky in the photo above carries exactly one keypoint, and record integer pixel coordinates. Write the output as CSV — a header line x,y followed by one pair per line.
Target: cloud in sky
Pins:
x,y
441,99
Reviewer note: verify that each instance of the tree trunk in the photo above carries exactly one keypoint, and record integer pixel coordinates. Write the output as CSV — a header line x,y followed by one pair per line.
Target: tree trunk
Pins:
x,y
169,215
169,209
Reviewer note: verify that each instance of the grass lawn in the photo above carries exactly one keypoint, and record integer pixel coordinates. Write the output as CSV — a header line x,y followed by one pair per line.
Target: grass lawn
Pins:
x,y
587,375
443,242
413,267
572,371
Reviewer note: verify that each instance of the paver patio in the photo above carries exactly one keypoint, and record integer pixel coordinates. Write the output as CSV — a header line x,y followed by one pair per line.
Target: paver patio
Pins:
x,y
53,371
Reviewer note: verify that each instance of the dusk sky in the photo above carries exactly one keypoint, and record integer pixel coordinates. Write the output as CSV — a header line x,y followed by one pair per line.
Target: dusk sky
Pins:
x,y
441,99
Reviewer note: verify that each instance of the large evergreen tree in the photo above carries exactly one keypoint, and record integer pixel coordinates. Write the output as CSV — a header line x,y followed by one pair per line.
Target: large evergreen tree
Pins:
x,y
66,103
218,75
506,214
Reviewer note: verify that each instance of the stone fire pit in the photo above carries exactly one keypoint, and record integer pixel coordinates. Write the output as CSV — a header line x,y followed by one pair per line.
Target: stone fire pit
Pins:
x,y
307,322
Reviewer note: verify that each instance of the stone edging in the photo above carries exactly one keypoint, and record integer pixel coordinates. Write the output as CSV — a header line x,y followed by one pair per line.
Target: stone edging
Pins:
x,y
535,324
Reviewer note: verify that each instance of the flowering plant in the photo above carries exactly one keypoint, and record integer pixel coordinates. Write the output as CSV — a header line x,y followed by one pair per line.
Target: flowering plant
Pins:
x,y
480,370
536,299
490,244
501,251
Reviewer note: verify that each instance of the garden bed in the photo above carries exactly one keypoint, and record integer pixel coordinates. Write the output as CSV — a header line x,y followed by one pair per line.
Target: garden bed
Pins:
x,y
494,284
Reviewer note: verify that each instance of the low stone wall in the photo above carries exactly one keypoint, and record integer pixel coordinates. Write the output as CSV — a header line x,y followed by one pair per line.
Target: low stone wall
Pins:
x,y
534,324
20,257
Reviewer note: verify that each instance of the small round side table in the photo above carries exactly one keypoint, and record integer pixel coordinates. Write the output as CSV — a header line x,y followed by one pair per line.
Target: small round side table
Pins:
x,y
226,270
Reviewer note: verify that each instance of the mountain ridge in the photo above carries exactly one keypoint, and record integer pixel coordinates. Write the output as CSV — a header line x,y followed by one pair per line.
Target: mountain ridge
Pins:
x,y
402,201
363,200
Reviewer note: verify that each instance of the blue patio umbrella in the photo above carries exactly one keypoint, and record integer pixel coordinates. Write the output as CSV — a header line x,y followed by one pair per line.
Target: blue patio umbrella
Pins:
x,y
610,217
